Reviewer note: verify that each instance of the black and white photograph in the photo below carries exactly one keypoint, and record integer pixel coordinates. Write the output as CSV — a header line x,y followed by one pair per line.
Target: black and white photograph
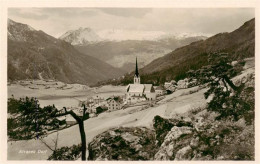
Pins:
x,y
130,83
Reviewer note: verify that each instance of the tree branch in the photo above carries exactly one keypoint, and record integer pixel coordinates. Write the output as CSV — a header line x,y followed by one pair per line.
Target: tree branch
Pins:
x,y
225,84
230,83
77,118
84,109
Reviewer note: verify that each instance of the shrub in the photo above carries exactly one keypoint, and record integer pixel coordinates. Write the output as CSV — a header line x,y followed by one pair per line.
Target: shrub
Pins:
x,y
66,153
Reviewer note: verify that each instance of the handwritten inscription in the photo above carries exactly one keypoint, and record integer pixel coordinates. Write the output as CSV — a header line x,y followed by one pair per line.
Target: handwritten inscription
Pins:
x,y
32,151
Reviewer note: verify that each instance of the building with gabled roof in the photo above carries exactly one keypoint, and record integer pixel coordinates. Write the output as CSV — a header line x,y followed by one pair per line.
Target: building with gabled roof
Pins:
x,y
160,90
114,103
138,92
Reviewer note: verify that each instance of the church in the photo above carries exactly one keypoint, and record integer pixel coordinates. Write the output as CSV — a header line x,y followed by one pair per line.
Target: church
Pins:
x,y
138,92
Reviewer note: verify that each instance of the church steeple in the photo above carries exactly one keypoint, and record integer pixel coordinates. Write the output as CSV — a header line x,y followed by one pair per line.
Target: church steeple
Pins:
x,y
136,77
136,69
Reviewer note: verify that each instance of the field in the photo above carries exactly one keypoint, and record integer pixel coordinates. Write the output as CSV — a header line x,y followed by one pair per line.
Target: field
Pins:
x,y
58,93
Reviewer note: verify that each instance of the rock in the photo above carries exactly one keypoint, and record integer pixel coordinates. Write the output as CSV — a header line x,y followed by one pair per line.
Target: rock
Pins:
x,y
138,147
203,147
241,123
169,151
184,153
175,140
163,126
233,63
130,138
220,158
123,144
161,155
247,78
199,124
178,131
112,133
194,143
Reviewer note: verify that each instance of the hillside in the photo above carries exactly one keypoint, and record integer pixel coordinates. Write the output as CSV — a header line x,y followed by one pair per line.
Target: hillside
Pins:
x,y
239,44
36,55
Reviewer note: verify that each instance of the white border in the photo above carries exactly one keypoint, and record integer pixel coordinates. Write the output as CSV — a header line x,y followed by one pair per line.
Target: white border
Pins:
x,y
5,4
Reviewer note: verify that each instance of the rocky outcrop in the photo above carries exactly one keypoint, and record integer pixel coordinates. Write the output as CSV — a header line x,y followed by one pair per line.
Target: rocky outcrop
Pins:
x,y
205,138
123,144
174,144
162,126
184,137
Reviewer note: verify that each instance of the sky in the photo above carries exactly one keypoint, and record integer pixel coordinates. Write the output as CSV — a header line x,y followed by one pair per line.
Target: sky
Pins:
x,y
208,21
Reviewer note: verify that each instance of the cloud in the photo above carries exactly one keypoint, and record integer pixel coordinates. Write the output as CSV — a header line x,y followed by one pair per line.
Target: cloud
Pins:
x,y
206,20
126,12
70,12
45,13
27,13
56,21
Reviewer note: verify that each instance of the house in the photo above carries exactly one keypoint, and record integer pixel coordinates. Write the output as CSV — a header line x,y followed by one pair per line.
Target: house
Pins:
x,y
98,100
114,103
167,84
160,90
138,92
170,84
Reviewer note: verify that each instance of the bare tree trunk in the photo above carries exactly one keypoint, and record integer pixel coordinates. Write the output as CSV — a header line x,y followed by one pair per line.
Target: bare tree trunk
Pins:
x,y
80,121
83,140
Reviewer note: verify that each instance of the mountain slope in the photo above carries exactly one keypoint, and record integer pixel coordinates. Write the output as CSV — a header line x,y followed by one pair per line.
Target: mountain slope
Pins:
x,y
239,44
34,54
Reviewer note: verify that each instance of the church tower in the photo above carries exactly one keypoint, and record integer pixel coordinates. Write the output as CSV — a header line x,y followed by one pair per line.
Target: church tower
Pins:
x,y
136,77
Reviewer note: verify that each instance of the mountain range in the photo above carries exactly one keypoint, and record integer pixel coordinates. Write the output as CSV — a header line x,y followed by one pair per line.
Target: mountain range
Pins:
x,y
112,49
34,54
239,44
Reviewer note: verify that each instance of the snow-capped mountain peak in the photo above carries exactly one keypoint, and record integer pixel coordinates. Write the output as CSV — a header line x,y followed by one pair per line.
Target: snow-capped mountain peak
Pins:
x,y
18,31
80,36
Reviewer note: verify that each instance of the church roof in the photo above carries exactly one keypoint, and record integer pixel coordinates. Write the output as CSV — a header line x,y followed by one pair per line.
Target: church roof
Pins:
x,y
135,88
148,88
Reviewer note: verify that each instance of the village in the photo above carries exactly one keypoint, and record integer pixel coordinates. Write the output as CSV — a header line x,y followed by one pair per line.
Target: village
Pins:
x,y
136,94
